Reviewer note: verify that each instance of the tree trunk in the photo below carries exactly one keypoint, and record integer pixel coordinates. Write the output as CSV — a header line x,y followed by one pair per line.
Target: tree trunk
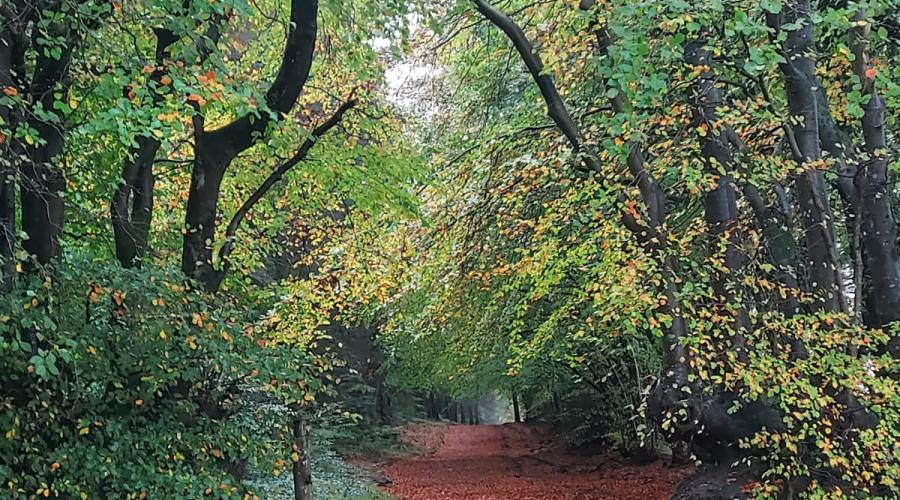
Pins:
x,y
9,149
131,208
517,416
302,470
720,203
799,69
132,203
879,228
210,162
42,184
7,220
215,150
781,253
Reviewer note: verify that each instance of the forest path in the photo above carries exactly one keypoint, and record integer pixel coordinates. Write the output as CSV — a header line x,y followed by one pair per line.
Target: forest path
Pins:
x,y
517,461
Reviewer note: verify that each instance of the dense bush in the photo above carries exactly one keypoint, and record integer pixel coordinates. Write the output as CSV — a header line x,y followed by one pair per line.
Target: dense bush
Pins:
x,y
121,384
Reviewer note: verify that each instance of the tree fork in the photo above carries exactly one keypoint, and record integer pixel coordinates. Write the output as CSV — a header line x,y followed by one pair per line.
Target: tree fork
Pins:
x,y
215,278
216,149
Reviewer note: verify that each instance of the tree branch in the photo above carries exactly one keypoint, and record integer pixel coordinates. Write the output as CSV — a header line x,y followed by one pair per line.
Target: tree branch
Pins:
x,y
556,108
296,63
275,176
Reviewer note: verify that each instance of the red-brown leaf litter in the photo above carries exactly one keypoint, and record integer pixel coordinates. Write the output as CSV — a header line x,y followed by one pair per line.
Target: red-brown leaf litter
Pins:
x,y
518,461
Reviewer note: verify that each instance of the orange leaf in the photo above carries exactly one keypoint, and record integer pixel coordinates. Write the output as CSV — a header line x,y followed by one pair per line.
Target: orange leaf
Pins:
x,y
197,98
871,73
11,91
166,80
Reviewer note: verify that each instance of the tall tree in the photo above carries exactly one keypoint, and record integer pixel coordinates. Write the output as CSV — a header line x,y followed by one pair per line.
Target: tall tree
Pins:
x,y
803,98
878,225
718,142
132,204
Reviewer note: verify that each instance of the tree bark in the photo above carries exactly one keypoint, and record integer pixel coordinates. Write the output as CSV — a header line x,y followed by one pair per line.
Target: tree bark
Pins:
x,y
879,228
131,221
215,150
781,250
7,221
11,50
302,469
517,416
720,203
802,84
131,208
42,182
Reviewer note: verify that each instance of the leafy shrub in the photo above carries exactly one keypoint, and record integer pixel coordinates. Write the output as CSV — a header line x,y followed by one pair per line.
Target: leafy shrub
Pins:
x,y
128,384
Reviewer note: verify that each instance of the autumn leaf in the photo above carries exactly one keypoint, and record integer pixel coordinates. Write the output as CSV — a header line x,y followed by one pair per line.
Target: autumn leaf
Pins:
x,y
197,99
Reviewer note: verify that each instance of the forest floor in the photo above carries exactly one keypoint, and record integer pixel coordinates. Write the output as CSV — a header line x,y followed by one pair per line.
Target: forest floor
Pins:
x,y
518,461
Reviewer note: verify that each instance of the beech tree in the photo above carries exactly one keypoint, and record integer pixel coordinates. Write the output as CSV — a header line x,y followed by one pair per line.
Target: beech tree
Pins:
x,y
639,221
721,110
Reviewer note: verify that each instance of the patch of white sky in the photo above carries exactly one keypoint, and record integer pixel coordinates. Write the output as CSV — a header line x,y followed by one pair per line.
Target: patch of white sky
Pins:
x,y
407,78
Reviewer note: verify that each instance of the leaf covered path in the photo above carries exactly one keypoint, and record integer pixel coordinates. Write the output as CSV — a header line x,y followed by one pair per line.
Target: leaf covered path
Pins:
x,y
516,461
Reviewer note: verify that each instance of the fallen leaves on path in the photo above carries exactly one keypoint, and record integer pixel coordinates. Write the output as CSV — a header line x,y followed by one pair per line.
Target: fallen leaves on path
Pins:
x,y
516,461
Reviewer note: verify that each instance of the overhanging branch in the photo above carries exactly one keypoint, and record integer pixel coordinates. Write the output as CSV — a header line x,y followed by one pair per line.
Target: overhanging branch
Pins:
x,y
274,177
556,108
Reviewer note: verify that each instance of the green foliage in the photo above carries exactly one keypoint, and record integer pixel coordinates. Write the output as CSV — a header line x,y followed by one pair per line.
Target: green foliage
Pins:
x,y
526,280
823,442
123,384
455,217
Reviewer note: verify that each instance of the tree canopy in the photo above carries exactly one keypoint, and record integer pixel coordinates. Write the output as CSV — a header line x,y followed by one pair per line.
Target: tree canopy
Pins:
x,y
650,222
